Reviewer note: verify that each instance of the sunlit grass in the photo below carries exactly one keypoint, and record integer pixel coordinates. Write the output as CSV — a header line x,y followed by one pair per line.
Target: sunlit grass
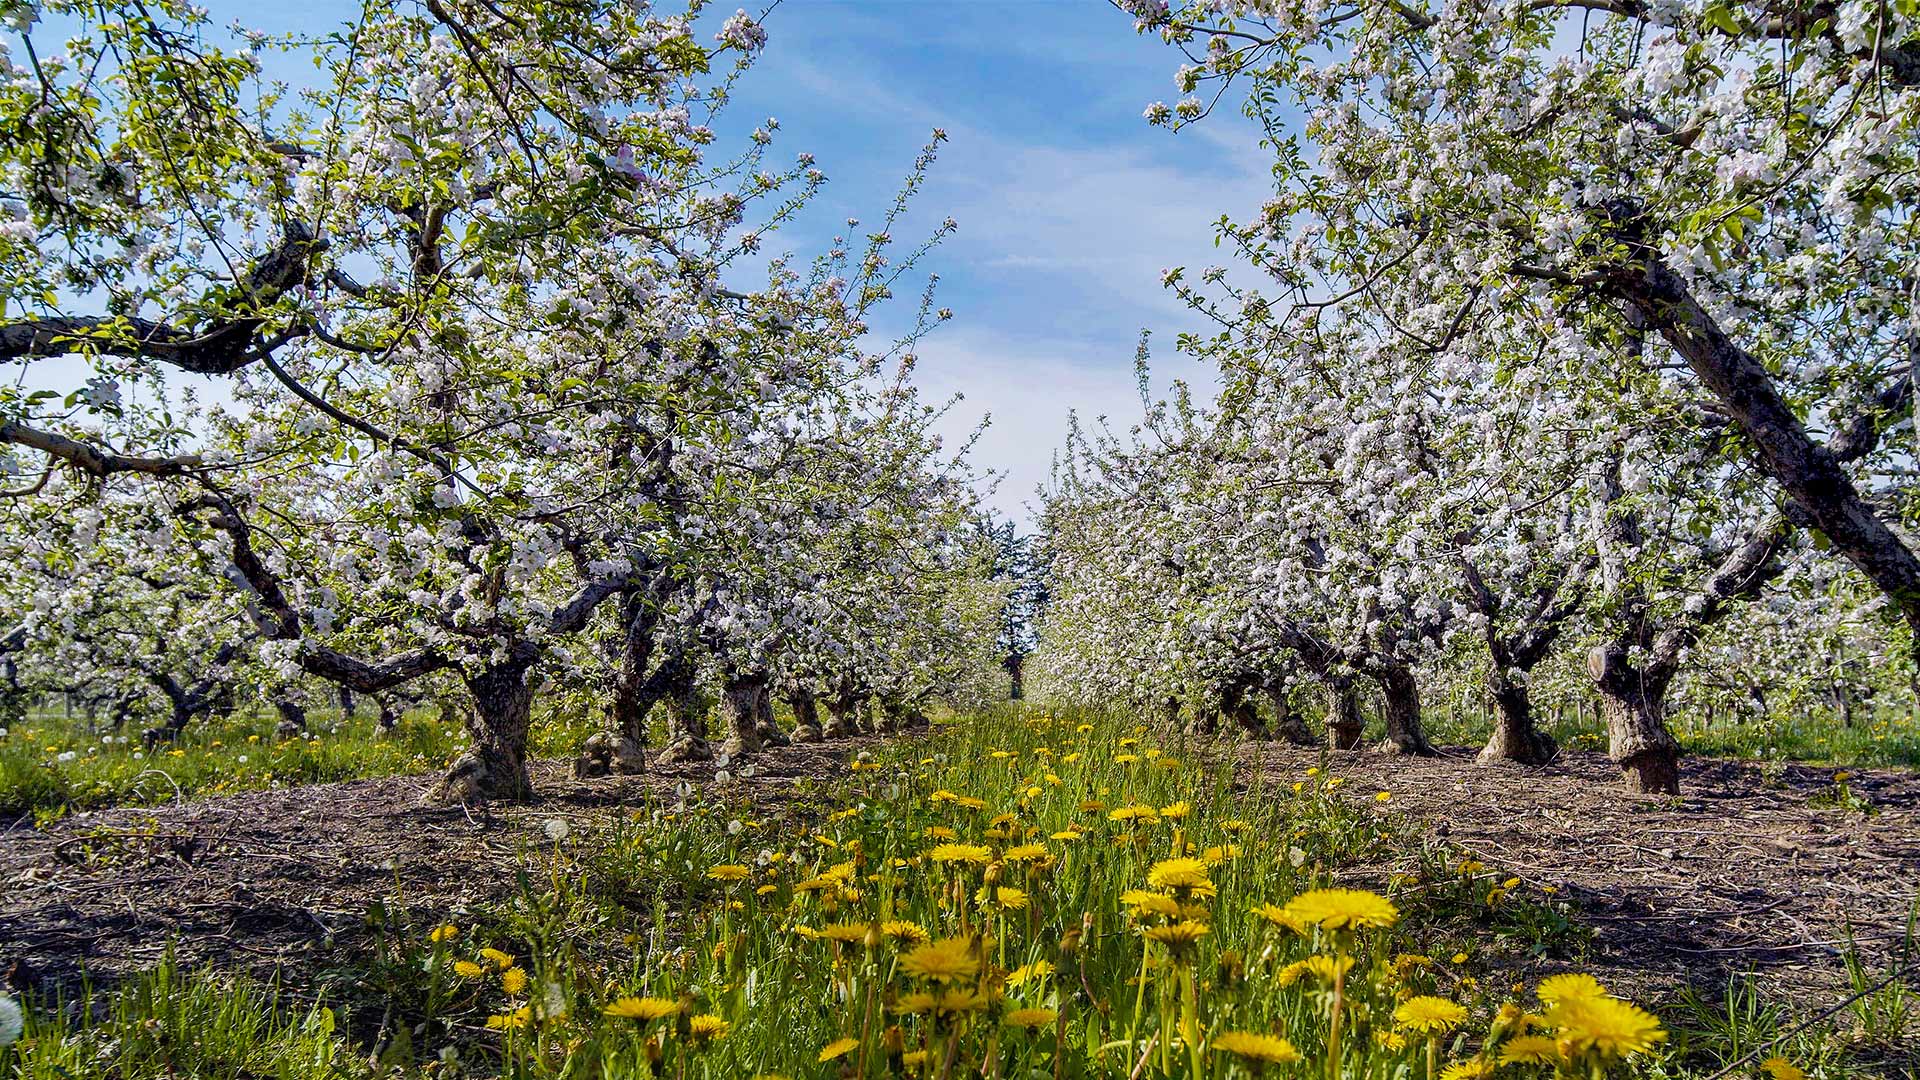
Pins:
x,y
1015,896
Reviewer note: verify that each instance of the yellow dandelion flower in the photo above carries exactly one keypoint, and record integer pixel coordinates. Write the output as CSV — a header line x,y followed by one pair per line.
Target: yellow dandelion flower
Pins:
x,y
1608,1027
467,969
1142,903
903,930
443,933
1182,874
959,1000
1029,1018
1280,917
1432,1015
915,1003
1575,986
1342,909
1067,836
913,1059
970,802
1026,973
1133,813
1390,1040
1177,810
847,933
643,1009
838,1048
513,1021
960,853
1529,1050
941,832
1325,968
707,1027
946,960
728,872
1256,1046
1010,899
500,960
1470,1069
1025,853
1180,937
513,981
1781,1069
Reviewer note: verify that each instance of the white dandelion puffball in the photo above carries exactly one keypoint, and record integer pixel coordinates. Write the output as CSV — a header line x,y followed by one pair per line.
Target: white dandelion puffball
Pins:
x,y
13,1022
557,829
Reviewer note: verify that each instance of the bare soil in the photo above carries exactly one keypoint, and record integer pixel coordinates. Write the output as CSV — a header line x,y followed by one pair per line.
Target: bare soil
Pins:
x,y
1743,873
268,879
1740,874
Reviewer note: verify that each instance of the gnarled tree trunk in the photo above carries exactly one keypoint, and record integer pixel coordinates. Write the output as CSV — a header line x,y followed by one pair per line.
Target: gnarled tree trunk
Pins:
x,y
841,721
742,697
1633,702
1344,722
1400,707
495,765
686,722
1514,737
806,716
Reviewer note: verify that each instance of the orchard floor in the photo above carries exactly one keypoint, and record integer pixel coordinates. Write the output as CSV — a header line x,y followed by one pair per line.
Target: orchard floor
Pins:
x,y
1743,872
1740,874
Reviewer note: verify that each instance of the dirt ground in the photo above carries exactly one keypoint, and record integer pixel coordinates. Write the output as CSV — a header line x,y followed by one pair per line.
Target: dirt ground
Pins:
x,y
1739,874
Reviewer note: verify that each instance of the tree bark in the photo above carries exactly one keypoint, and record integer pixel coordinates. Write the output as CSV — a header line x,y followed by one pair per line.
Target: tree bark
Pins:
x,y
741,698
1514,738
1016,666
293,718
841,721
1809,471
1344,722
1400,698
1288,723
1170,713
686,722
806,717
495,765
1633,701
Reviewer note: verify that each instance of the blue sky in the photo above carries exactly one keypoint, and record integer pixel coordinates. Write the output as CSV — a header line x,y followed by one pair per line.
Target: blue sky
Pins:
x,y
1069,204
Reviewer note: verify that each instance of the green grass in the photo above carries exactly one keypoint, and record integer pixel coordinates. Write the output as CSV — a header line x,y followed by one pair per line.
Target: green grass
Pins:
x,y
633,908
51,765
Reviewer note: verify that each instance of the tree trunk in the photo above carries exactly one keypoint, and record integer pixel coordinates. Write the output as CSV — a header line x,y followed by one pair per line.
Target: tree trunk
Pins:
x,y
348,704
1170,711
841,721
892,712
1016,676
1514,738
686,723
293,718
806,717
764,724
495,765
741,697
867,715
1288,724
1344,722
1400,698
1634,705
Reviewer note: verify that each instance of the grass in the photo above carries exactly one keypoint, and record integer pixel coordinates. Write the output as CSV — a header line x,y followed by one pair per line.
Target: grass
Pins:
x,y
51,765
773,935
